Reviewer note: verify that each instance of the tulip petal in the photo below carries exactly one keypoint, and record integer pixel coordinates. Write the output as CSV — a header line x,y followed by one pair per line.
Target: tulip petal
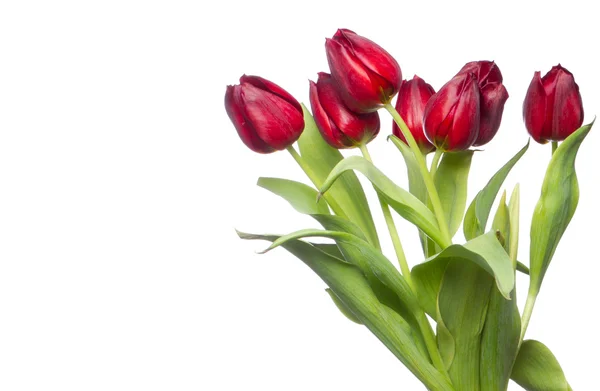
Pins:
x,y
327,128
412,99
355,83
534,109
357,128
493,98
268,85
451,118
485,71
276,122
245,130
375,58
465,127
567,113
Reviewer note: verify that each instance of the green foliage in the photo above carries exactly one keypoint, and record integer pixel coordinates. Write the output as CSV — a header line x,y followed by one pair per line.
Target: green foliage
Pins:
x,y
556,206
302,197
479,210
351,287
451,182
347,191
536,369
404,203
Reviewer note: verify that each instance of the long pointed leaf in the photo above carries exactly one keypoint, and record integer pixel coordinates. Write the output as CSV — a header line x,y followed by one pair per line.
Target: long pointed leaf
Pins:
x,y
501,332
484,250
451,182
347,191
416,187
351,287
556,206
406,204
479,210
462,305
302,197
374,265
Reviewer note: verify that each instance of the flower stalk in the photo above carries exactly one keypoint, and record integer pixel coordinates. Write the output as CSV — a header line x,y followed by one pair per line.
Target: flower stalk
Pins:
x,y
427,178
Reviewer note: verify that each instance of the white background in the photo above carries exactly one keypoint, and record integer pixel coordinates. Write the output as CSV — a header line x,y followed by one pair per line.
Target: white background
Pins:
x,y
122,179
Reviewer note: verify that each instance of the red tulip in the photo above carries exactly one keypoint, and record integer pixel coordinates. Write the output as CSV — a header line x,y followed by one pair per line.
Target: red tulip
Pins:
x,y
552,109
493,97
367,75
339,126
451,117
266,117
412,98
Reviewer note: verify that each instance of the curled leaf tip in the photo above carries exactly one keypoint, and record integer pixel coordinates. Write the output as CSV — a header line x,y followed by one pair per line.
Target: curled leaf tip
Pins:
x,y
319,196
266,250
242,235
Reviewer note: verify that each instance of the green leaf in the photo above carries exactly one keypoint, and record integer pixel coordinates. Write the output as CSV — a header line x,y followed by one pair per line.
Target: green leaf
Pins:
x,y
484,251
347,191
361,250
303,198
406,204
451,183
513,211
416,187
351,287
522,268
479,210
536,369
462,304
388,284
556,206
342,307
502,329
501,223
499,341
335,223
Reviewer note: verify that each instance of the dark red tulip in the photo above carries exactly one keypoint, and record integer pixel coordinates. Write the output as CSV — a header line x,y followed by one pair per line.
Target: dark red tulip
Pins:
x,y
266,117
367,76
339,126
412,98
451,117
552,109
493,96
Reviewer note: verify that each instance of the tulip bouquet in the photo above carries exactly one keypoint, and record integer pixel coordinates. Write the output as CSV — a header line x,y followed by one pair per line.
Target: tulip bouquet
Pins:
x,y
452,319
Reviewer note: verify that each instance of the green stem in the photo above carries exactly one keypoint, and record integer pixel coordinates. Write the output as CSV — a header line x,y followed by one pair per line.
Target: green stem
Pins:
x,y
313,178
431,343
427,178
435,162
424,325
389,220
529,304
554,146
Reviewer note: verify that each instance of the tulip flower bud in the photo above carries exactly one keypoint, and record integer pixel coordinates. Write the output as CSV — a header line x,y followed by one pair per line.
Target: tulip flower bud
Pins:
x,y
451,117
266,117
367,76
552,109
339,126
493,96
412,98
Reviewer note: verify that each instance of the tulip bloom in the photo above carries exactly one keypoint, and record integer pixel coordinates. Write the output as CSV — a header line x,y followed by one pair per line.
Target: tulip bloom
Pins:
x,y
493,97
412,98
451,117
339,126
266,117
367,76
552,109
